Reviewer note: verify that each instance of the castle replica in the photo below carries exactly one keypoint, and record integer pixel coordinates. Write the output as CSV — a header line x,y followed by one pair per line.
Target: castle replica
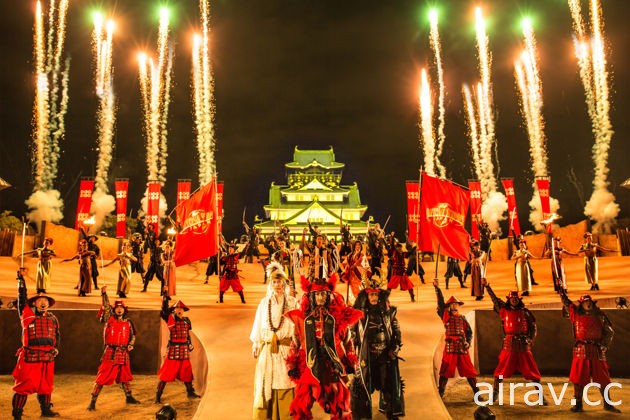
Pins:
x,y
314,192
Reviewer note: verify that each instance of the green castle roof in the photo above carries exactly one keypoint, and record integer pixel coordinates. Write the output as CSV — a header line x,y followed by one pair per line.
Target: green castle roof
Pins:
x,y
303,159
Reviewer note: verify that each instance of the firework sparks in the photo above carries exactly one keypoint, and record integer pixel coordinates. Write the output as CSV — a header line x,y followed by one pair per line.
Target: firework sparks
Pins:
x,y
601,207
436,47
203,98
102,202
427,139
530,90
50,106
480,119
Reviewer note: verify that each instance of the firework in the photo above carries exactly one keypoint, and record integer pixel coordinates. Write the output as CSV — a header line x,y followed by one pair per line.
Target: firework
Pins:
x,y
50,106
436,47
530,90
102,202
203,98
601,207
427,139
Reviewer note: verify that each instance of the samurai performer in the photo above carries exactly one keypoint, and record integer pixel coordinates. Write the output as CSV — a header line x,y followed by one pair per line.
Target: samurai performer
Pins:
x,y
126,259
320,261
156,266
271,338
355,267
230,277
519,333
453,270
137,266
477,270
85,268
399,273
375,248
44,265
521,269
590,248
253,240
412,262
378,340
593,333
168,262
458,336
177,363
34,371
323,355
119,336
557,265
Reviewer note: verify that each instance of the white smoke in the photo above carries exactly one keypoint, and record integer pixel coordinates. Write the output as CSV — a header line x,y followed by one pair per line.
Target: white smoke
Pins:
x,y
536,214
602,208
493,210
45,205
102,205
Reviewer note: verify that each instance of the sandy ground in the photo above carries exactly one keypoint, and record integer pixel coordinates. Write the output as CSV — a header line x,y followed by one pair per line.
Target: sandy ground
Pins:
x,y
458,401
224,329
72,396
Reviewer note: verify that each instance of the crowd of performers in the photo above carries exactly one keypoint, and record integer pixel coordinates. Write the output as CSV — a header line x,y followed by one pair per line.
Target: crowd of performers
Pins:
x,y
309,344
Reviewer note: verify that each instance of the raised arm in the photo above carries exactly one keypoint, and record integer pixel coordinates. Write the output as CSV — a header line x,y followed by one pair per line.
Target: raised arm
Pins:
x,y
165,312
76,257
21,293
441,306
498,302
106,308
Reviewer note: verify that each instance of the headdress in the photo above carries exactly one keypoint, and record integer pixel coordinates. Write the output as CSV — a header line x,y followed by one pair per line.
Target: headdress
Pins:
x,y
31,301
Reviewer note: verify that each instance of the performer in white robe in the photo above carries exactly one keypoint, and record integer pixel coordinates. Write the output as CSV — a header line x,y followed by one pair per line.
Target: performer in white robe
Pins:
x,y
271,337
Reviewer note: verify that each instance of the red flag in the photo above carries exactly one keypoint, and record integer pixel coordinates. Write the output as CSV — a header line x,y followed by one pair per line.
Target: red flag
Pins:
x,y
443,209
413,208
183,194
197,238
514,225
153,205
475,207
543,192
122,188
220,205
85,202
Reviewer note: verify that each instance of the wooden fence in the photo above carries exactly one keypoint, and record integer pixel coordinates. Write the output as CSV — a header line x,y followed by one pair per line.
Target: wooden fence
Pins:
x,y
7,239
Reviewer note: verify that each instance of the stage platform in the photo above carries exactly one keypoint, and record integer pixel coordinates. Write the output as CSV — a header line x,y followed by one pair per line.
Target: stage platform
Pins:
x,y
224,328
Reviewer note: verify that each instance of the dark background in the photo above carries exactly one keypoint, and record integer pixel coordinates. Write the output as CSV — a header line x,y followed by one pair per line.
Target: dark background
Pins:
x,y
314,74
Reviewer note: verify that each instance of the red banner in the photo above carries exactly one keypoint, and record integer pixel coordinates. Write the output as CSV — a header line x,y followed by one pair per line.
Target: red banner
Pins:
x,y
153,205
543,192
197,238
514,226
220,204
122,189
413,209
84,203
443,210
475,207
183,194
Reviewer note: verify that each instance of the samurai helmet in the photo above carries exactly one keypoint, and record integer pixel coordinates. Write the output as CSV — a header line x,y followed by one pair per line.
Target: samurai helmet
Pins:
x,y
453,299
180,304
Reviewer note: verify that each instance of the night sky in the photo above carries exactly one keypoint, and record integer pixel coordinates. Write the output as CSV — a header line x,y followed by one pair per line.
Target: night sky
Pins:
x,y
313,74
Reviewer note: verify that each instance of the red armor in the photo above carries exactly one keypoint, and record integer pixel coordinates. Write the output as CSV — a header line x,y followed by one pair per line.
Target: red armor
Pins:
x,y
588,336
117,336
516,329
398,263
456,327
39,338
180,334
231,266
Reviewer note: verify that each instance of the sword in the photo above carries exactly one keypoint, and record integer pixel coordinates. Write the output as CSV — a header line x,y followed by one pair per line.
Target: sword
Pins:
x,y
386,222
23,234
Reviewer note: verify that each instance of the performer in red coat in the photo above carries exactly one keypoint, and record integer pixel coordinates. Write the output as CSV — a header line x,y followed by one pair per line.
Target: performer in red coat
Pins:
x,y
322,356
458,336
119,336
399,272
593,334
230,276
35,368
519,333
177,362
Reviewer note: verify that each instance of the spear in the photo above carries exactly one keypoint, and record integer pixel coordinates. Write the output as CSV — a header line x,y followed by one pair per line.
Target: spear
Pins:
x,y
23,235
